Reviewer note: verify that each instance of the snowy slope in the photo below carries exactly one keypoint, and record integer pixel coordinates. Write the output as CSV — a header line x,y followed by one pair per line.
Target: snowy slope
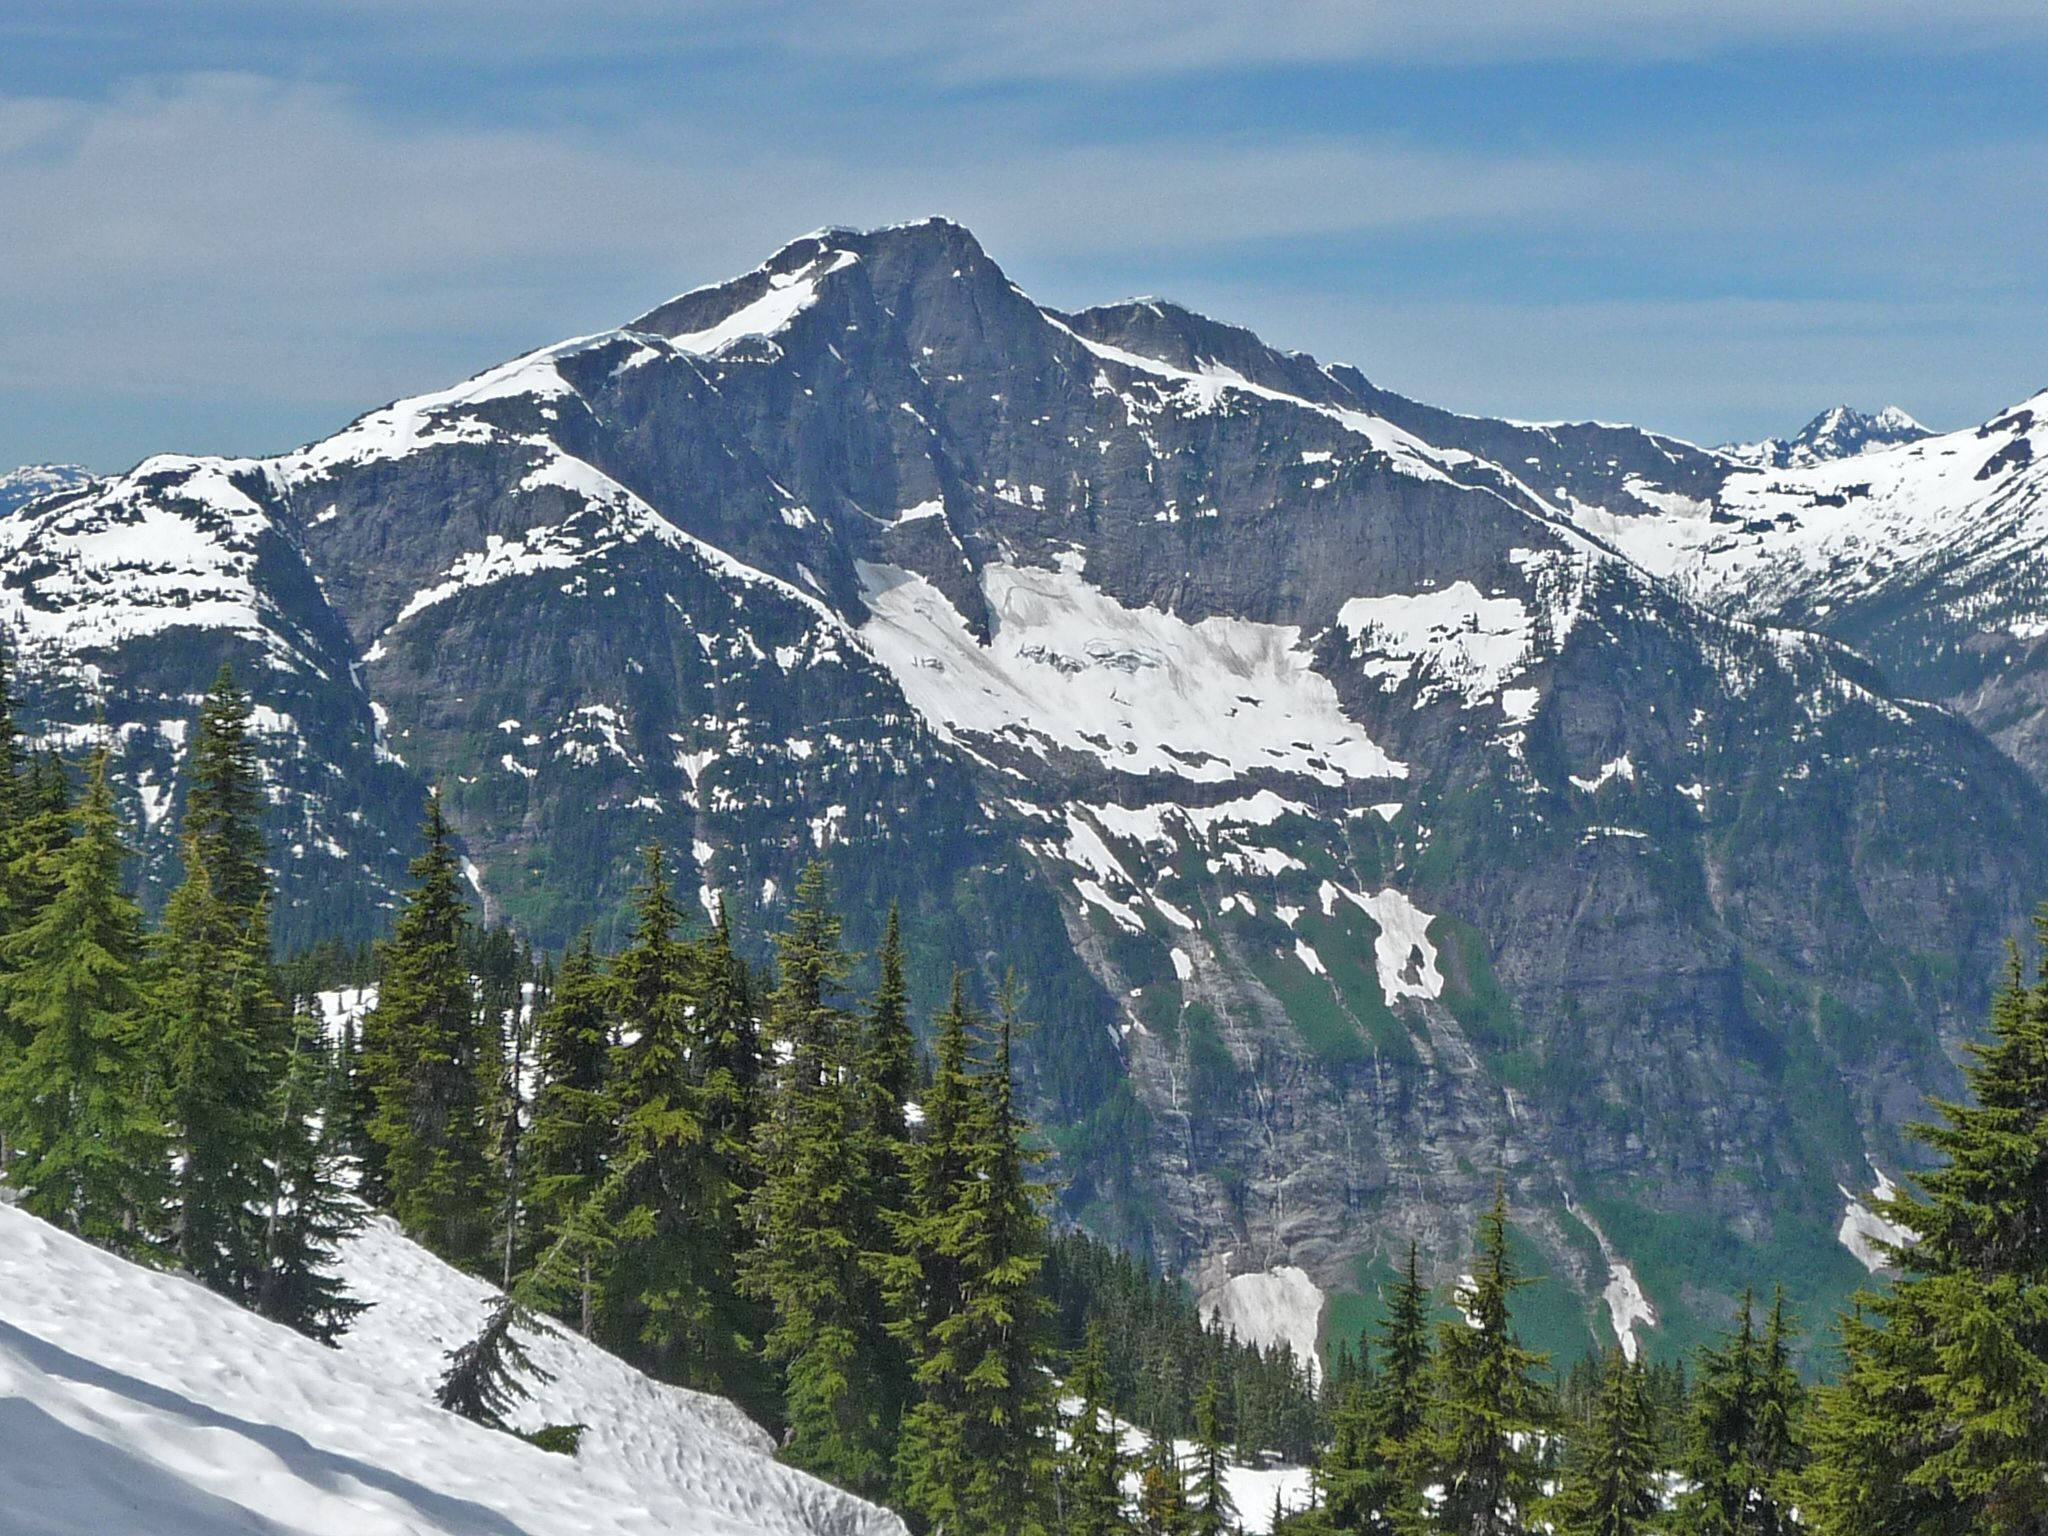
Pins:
x,y
138,1402
1969,503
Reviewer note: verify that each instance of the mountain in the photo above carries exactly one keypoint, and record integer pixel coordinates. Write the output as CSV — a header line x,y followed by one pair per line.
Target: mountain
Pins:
x,y
19,487
1837,433
140,1402
1373,799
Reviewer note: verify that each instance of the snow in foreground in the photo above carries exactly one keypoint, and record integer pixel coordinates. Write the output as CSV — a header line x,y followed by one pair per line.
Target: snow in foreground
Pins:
x,y
139,1402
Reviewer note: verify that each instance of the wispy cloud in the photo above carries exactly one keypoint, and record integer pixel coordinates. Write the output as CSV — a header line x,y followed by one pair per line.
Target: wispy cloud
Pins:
x,y
320,206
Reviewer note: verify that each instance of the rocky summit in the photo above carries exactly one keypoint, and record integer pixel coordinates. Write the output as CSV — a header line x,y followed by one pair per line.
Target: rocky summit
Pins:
x,y
1376,802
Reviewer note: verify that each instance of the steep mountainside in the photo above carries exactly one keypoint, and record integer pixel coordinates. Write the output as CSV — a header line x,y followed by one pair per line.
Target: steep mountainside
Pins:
x,y
1366,811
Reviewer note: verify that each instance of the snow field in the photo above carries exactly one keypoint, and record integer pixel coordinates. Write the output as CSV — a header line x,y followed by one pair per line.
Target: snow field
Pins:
x,y
1140,690
138,1402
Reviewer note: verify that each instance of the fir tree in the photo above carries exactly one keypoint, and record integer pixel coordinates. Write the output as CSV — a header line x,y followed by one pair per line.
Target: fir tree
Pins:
x,y
1939,1420
885,1077
214,1024
1092,1466
224,1035
1488,1409
569,1145
974,1455
1213,1512
224,804
427,1061
309,1209
482,1382
1350,1474
86,1148
659,1301
806,1262
1400,1408
1742,1444
1610,1482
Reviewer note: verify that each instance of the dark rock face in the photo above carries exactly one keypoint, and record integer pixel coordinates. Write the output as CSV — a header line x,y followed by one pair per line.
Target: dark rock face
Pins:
x,y
1363,829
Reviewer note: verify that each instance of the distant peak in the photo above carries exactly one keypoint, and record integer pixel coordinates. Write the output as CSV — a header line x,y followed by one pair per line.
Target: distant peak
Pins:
x,y
1840,432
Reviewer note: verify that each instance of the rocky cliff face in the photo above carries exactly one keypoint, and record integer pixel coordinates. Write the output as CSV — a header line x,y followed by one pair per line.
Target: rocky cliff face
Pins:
x,y
1368,816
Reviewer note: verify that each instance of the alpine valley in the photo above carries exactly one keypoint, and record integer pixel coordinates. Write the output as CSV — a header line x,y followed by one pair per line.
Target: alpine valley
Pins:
x,y
1374,801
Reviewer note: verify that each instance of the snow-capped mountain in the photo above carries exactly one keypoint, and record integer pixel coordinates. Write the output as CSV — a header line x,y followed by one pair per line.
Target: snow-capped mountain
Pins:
x,y
1371,797
19,487
140,1402
1837,433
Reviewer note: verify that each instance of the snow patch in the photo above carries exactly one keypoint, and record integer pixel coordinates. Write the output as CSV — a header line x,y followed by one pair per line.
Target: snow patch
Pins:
x,y
1453,642
1280,1306
1863,1231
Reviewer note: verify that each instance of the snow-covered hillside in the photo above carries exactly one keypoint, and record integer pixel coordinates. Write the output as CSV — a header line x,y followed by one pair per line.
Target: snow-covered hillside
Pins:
x,y
1838,530
137,1402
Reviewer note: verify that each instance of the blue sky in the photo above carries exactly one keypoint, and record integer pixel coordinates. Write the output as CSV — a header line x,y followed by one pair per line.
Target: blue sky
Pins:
x,y
230,227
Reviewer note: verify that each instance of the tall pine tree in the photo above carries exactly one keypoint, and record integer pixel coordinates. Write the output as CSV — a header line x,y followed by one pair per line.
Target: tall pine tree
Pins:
x,y
1743,1447
660,1302
1489,1409
806,1213
568,1148
428,1062
975,1452
85,1144
1610,1480
1214,1513
223,1035
1092,1464
1939,1420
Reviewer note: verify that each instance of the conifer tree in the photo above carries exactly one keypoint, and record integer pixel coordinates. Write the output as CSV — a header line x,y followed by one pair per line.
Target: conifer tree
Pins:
x,y
1213,1512
974,1455
1488,1409
1937,1422
223,1035
806,1213
1610,1482
662,1296
428,1064
224,804
885,1078
1742,1444
86,1147
213,1007
1400,1407
308,1209
1092,1466
1349,1475
569,1145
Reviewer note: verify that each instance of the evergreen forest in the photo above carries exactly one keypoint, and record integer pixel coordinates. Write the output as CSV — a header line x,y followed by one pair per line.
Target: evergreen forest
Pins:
x,y
763,1182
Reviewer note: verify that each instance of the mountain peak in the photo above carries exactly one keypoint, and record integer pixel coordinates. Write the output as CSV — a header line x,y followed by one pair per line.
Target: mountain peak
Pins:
x,y
1840,432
